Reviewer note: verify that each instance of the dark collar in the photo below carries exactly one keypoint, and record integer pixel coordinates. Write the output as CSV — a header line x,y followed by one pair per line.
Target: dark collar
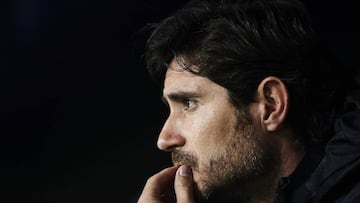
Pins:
x,y
309,162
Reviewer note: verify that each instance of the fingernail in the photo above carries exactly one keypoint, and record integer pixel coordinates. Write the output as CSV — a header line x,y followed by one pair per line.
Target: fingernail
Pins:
x,y
184,170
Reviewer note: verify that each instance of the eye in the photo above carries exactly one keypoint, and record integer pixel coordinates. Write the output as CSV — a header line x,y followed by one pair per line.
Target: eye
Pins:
x,y
188,104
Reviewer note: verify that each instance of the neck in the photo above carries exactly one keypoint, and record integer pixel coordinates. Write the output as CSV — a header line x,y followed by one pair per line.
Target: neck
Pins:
x,y
292,153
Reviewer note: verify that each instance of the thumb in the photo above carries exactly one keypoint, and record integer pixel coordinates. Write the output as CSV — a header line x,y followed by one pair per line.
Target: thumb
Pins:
x,y
184,188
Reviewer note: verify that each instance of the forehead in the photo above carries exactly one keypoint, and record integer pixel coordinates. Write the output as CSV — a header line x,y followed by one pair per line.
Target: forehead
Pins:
x,y
178,79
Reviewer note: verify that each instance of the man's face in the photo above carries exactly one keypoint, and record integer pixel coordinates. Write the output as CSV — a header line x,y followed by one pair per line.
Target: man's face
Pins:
x,y
229,153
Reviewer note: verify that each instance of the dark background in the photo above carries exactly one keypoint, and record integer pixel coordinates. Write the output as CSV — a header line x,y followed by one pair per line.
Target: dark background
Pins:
x,y
79,116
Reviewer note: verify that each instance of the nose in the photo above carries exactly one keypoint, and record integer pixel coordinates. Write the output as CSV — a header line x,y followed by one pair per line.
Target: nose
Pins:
x,y
170,136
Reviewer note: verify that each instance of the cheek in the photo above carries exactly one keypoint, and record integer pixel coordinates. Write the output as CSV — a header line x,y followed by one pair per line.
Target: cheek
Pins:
x,y
210,131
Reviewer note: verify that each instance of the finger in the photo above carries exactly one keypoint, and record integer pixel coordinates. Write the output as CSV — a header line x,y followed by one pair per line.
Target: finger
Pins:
x,y
158,185
184,188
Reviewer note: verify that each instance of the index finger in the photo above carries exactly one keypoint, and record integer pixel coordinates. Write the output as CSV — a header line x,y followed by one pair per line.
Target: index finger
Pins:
x,y
159,184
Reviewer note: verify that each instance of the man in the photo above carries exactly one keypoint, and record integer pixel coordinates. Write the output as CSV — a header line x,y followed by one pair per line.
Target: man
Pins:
x,y
253,99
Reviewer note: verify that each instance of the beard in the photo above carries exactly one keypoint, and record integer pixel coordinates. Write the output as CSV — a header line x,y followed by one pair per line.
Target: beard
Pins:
x,y
246,171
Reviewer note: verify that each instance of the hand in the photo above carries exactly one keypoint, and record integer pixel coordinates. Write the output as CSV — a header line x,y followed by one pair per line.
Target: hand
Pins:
x,y
158,187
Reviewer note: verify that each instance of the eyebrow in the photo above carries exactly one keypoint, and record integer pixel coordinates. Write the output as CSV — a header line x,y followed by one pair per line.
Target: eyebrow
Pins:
x,y
179,96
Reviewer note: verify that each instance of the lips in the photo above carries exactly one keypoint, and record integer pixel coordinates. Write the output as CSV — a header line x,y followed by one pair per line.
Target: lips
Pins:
x,y
184,158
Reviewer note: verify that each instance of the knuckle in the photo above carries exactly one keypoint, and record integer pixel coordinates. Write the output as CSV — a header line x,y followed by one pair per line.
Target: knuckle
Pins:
x,y
151,180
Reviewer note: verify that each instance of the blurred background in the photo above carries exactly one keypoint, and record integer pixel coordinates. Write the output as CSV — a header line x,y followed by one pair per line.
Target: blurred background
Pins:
x,y
79,116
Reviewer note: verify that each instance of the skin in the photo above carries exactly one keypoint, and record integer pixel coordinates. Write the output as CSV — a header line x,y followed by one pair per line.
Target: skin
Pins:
x,y
220,152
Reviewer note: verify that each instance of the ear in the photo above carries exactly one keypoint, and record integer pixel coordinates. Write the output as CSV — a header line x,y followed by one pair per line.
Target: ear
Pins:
x,y
273,102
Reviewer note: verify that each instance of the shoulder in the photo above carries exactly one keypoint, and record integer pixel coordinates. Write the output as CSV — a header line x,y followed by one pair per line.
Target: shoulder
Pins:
x,y
352,195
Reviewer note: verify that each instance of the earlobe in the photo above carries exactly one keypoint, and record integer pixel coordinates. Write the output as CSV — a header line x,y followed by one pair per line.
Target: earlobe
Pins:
x,y
273,97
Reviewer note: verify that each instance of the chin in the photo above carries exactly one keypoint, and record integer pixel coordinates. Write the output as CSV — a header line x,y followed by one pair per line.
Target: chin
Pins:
x,y
203,190
197,184
199,187
210,191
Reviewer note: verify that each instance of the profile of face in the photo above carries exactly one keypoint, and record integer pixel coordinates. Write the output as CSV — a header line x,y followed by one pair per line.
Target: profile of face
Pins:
x,y
232,157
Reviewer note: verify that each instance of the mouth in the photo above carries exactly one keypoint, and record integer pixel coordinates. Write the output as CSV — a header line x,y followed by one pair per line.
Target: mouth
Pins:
x,y
193,169
184,158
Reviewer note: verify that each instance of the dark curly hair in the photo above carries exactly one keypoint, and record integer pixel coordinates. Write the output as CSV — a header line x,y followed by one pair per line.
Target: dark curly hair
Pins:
x,y
237,43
